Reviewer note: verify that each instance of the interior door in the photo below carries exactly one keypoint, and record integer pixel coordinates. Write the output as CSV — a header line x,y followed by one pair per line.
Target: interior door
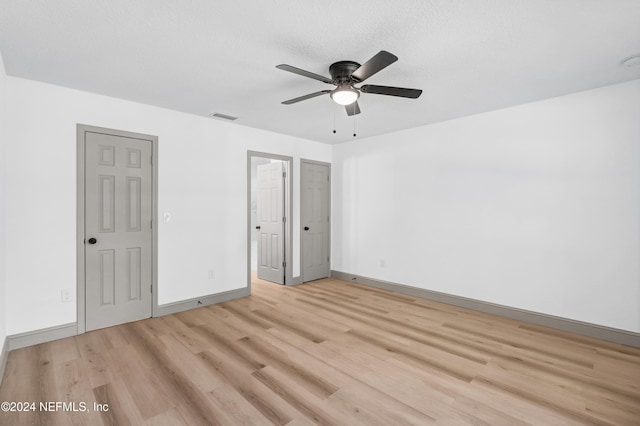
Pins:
x,y
118,234
271,226
314,218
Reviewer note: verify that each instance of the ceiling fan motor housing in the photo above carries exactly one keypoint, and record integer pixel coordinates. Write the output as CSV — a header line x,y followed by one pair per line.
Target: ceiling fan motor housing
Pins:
x,y
341,72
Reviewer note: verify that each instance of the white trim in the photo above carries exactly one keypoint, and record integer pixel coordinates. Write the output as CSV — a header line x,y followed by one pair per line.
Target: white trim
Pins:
x,y
572,326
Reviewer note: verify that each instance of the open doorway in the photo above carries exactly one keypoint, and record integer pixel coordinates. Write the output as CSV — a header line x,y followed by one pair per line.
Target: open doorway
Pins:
x,y
269,212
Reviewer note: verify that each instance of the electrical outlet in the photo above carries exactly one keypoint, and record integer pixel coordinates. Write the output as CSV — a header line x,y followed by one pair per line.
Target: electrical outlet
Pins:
x,y
65,295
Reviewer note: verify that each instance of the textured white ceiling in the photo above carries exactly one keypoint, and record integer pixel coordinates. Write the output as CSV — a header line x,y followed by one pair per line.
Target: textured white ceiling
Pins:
x,y
204,56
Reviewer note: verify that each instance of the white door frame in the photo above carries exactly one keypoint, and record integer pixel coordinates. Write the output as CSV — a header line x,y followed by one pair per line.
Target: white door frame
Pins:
x,y
80,237
288,214
302,196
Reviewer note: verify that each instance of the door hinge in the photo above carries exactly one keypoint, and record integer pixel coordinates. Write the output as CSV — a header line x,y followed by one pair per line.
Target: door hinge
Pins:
x,y
151,288
284,220
151,223
284,264
151,160
284,174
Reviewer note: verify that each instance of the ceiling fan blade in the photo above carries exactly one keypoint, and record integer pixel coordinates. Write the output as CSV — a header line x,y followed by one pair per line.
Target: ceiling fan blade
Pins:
x,y
391,91
379,61
305,97
352,109
304,73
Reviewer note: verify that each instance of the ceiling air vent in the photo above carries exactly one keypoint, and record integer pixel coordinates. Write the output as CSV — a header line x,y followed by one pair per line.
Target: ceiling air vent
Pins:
x,y
224,116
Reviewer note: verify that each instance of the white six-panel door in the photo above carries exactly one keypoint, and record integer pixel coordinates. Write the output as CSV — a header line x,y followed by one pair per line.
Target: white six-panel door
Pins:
x,y
314,218
270,219
118,234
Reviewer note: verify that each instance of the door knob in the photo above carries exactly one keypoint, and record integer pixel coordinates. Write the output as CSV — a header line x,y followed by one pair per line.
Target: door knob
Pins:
x,y
257,227
306,228
92,241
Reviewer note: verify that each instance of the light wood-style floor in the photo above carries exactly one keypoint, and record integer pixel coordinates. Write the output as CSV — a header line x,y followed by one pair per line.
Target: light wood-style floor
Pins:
x,y
328,352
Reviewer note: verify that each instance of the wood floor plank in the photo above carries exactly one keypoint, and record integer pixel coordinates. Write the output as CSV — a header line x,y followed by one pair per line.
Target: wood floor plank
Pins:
x,y
239,376
236,408
282,361
193,369
327,352
170,417
366,405
185,334
113,413
295,395
127,406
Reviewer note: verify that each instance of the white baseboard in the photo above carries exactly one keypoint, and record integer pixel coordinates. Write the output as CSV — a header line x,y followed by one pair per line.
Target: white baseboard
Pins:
x,y
198,302
572,326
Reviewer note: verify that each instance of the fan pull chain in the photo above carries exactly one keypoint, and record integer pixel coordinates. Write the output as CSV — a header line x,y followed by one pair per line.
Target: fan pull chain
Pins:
x,y
354,119
334,120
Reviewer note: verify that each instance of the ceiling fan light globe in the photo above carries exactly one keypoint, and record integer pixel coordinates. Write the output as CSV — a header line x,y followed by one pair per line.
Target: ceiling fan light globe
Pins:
x,y
345,95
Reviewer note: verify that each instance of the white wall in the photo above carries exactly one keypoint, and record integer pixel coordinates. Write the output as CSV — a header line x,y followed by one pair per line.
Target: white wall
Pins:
x,y
202,183
535,207
3,304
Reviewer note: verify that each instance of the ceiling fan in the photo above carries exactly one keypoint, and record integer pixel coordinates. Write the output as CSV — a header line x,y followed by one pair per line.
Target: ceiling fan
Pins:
x,y
345,74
